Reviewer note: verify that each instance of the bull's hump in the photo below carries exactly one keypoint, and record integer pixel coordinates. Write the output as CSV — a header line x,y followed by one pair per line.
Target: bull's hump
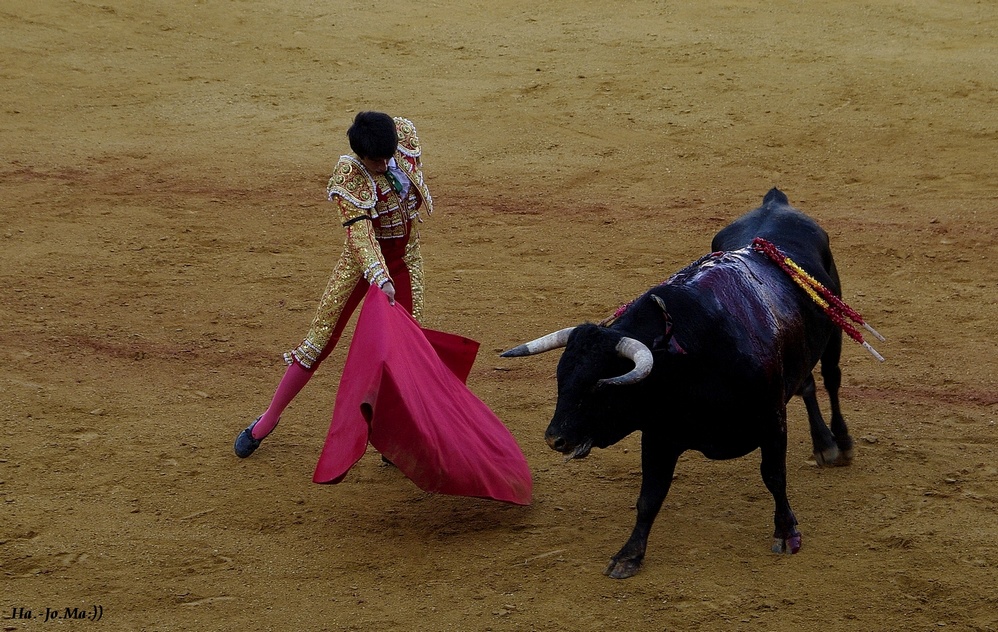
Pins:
x,y
726,266
749,293
775,196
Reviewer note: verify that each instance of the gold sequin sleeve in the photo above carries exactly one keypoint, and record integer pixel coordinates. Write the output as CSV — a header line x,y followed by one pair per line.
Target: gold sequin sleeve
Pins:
x,y
362,244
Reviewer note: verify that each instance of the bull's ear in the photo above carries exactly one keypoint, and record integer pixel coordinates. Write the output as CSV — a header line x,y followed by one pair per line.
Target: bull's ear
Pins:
x,y
667,341
665,313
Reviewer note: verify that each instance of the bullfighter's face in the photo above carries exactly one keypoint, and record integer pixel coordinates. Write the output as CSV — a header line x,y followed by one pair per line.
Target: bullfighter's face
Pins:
x,y
377,166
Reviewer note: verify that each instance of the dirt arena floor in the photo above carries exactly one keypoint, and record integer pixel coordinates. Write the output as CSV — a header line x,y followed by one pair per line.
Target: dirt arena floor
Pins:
x,y
165,237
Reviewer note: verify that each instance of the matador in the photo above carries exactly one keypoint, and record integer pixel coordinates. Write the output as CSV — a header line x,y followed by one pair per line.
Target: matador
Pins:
x,y
379,193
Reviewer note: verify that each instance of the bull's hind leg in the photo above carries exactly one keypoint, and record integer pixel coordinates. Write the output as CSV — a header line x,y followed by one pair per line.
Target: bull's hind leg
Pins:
x,y
831,376
658,464
786,537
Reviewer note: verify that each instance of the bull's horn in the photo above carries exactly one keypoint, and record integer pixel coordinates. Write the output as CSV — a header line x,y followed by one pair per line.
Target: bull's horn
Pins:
x,y
639,354
551,341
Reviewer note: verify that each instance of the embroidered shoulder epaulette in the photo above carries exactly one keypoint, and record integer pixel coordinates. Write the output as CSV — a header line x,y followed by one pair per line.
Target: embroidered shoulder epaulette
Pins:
x,y
408,141
352,182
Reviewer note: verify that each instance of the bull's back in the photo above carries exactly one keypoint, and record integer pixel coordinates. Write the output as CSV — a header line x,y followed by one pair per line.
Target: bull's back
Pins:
x,y
751,300
745,319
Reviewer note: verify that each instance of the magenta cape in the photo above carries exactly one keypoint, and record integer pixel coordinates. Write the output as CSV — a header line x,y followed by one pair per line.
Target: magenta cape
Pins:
x,y
403,390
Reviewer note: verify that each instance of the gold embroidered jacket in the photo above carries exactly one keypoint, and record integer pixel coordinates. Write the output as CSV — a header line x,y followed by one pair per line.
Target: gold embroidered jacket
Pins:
x,y
370,210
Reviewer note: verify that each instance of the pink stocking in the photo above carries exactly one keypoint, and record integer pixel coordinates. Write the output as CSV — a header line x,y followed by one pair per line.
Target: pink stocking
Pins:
x,y
297,376
295,379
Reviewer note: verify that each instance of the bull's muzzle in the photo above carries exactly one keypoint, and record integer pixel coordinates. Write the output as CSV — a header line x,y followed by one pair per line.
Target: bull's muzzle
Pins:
x,y
559,443
555,442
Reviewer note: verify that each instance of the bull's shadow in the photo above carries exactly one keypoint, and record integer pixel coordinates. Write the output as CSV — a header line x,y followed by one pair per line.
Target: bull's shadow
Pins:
x,y
707,361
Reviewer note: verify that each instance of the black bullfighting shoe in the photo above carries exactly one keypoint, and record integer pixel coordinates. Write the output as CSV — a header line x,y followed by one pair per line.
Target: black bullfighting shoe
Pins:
x,y
245,443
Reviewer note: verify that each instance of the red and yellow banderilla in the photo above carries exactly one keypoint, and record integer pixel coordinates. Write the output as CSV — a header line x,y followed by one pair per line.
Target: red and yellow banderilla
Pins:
x,y
835,307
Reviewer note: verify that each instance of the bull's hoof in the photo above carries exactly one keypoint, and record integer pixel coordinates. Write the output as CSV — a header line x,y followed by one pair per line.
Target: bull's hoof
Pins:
x,y
846,448
789,545
833,457
827,457
622,569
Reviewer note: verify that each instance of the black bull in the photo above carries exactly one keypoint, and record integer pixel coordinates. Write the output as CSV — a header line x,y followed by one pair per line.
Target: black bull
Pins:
x,y
707,361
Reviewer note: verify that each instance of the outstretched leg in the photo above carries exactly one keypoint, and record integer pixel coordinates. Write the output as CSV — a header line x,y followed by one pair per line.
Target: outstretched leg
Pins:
x,y
297,375
786,537
337,305
657,465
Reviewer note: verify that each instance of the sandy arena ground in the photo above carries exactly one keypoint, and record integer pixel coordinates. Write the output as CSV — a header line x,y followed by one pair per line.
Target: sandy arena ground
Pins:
x,y
165,237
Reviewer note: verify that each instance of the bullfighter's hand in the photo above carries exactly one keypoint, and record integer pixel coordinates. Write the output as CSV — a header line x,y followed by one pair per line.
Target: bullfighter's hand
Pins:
x,y
389,289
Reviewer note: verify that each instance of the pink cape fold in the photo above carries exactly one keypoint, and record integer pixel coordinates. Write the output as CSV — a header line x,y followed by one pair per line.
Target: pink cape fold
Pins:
x,y
403,390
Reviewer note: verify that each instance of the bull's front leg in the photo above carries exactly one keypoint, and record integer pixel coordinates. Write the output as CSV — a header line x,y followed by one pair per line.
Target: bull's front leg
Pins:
x,y
657,467
786,537
831,374
826,452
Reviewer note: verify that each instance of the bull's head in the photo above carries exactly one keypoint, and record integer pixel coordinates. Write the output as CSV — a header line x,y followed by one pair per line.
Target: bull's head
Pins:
x,y
590,409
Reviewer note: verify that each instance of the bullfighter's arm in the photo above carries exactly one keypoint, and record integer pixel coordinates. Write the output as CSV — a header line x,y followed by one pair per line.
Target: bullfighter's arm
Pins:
x,y
362,244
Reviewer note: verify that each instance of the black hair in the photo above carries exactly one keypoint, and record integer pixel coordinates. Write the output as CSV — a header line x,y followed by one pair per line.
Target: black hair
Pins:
x,y
373,135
